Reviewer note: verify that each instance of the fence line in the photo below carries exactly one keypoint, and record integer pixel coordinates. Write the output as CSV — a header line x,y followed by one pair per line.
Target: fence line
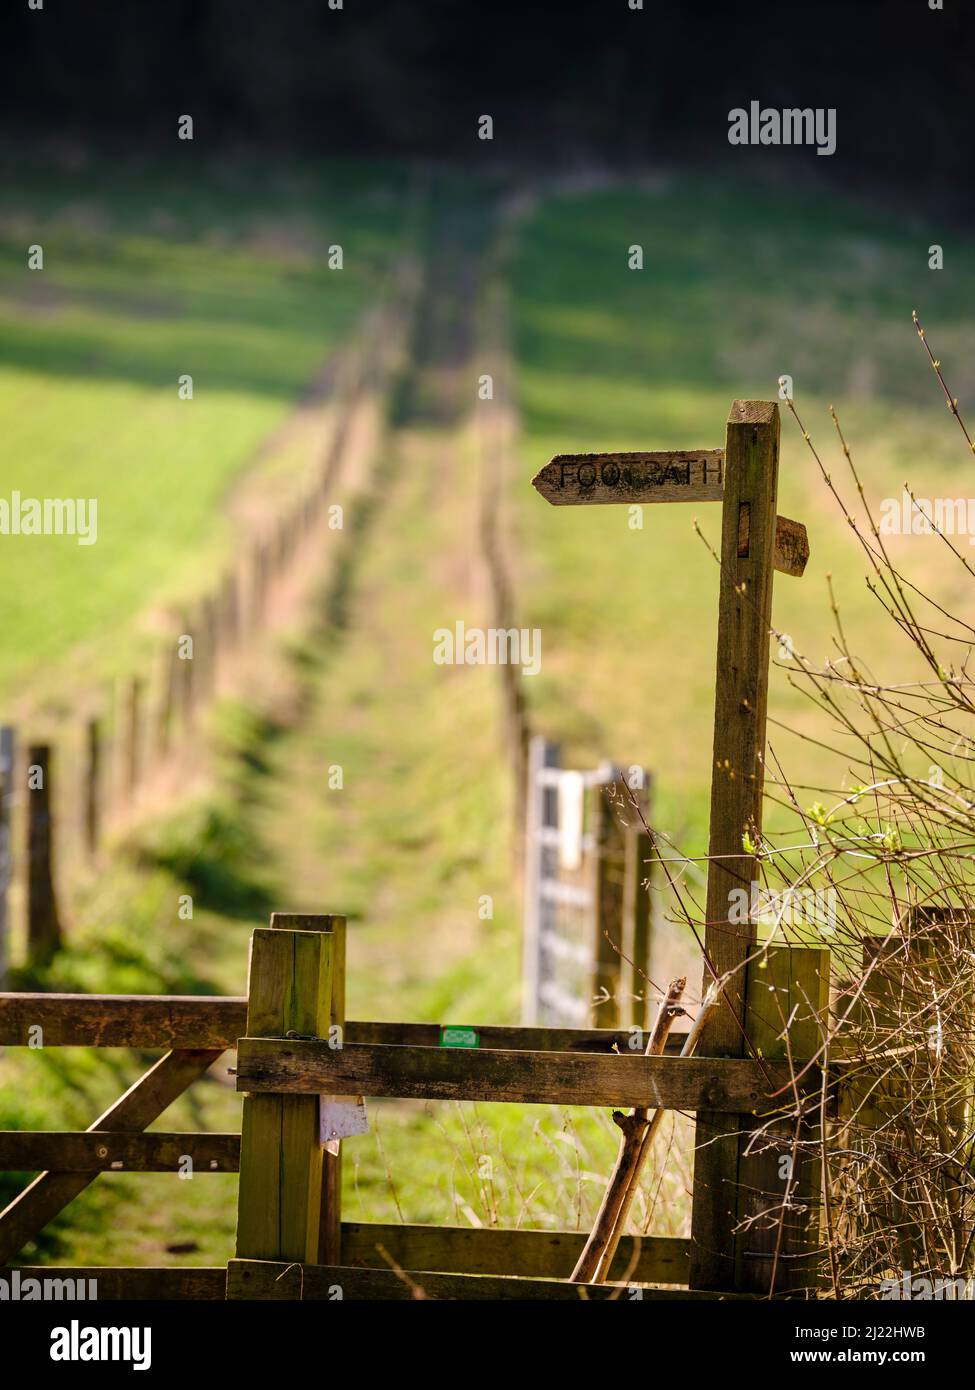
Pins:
x,y
153,725
293,1050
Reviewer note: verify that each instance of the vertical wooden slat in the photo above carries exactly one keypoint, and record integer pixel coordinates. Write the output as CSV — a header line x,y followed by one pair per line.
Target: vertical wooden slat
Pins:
x,y
281,1170
737,776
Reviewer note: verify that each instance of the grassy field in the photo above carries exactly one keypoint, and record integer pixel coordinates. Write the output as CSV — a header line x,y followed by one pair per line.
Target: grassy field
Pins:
x,y
150,274
739,287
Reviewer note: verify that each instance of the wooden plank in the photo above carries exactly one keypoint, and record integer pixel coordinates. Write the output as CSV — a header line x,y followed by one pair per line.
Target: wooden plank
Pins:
x,y
203,1020
87,1151
110,1283
192,1021
662,475
304,1067
280,1192
143,1102
737,778
529,1254
778,1197
259,1279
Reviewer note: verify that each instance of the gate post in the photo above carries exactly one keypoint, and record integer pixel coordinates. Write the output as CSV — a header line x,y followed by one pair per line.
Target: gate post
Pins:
x,y
294,988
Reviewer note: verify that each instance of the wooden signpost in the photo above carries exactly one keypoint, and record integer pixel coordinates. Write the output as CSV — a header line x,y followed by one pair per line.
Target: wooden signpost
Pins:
x,y
754,543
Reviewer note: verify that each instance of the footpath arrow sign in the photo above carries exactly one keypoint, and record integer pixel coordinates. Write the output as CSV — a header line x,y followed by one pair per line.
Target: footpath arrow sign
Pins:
x,y
662,475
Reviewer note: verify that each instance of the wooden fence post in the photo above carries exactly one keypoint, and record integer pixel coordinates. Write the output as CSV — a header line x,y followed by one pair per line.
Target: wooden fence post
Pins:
x,y
133,736
7,753
608,906
330,1226
281,1155
779,1184
169,696
188,685
43,924
737,780
91,788
639,907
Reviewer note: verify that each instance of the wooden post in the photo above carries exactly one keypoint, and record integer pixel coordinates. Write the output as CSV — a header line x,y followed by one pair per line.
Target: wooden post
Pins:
x,y
281,1156
638,924
133,735
608,906
91,787
43,924
737,778
169,696
330,1225
188,679
7,751
779,1185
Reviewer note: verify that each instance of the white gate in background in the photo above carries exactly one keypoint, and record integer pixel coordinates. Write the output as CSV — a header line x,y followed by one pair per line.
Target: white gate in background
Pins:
x,y
586,860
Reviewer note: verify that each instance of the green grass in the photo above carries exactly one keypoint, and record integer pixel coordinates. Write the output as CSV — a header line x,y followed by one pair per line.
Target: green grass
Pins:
x,y
151,273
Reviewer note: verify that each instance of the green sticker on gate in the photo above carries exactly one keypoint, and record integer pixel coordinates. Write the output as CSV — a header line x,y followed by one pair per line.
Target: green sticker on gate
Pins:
x,y
459,1037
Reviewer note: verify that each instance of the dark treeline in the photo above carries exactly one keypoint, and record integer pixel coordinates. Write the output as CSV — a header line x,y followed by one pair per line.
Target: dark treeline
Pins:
x,y
564,80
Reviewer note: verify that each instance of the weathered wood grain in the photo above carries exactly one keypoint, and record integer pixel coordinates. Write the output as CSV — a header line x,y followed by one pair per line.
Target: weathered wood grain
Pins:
x,y
118,1020
123,1020
260,1279
87,1151
668,475
280,1191
662,475
737,779
530,1254
778,1204
297,1067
